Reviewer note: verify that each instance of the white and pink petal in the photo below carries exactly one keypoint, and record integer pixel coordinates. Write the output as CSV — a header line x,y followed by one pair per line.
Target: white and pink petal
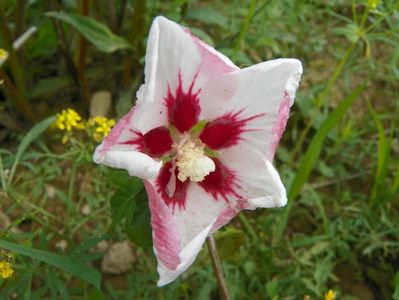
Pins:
x,y
176,61
259,96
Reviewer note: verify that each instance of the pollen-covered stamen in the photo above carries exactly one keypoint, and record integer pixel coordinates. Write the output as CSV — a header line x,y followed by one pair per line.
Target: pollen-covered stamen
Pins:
x,y
192,162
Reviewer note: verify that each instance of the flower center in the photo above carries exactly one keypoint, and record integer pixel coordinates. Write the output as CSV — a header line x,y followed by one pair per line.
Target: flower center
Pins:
x,y
192,162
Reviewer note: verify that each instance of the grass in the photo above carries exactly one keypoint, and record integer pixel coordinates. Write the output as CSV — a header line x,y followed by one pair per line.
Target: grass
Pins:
x,y
338,157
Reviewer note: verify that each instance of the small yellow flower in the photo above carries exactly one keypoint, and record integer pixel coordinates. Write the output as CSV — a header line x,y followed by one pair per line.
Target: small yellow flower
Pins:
x,y
6,270
68,119
330,295
373,3
3,54
102,126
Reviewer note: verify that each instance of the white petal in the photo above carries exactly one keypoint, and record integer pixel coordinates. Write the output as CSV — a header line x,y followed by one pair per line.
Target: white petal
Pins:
x,y
136,163
201,217
172,49
267,88
259,181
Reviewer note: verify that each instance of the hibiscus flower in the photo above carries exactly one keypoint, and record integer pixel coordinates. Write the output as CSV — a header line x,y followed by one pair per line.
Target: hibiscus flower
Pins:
x,y
202,136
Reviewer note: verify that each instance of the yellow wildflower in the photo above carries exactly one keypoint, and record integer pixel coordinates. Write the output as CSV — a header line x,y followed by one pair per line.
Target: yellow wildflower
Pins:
x,y
68,119
6,270
102,126
373,3
330,295
3,54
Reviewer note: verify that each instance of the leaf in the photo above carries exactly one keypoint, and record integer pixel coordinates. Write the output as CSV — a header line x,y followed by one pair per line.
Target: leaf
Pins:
x,y
311,156
137,224
97,33
395,294
126,189
32,135
384,151
229,242
65,263
209,16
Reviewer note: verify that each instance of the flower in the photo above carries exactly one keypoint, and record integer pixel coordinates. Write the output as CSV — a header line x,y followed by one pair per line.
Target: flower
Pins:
x,y
3,54
68,120
202,136
6,269
330,295
102,126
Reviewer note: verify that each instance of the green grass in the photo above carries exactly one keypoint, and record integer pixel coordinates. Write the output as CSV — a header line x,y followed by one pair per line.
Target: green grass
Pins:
x,y
338,157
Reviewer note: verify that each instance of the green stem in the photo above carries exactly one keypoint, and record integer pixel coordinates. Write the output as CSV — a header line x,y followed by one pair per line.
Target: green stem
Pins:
x,y
81,61
245,25
248,226
15,65
12,92
71,185
19,17
137,32
2,176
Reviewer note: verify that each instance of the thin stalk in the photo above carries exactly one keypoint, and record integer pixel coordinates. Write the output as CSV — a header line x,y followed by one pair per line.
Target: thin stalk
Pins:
x,y
63,43
19,17
71,185
12,92
245,25
81,61
2,176
138,27
248,226
217,267
15,64
121,16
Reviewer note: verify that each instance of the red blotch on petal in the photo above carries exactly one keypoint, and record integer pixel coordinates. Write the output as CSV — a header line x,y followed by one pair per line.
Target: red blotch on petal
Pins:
x,y
225,131
221,182
183,107
180,192
155,142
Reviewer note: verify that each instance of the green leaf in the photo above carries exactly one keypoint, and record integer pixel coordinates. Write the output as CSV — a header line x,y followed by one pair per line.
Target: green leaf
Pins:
x,y
137,226
209,16
395,295
97,33
384,151
65,263
229,242
311,156
126,189
32,135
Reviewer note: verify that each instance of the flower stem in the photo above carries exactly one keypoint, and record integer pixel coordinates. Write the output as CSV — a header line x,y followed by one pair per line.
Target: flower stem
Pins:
x,y
217,267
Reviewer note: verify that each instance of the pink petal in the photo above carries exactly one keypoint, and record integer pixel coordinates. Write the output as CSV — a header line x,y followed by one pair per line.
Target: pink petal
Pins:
x,y
194,223
164,230
172,50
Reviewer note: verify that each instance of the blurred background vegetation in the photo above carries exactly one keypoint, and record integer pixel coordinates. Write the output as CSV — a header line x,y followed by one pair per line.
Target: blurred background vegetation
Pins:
x,y
64,219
